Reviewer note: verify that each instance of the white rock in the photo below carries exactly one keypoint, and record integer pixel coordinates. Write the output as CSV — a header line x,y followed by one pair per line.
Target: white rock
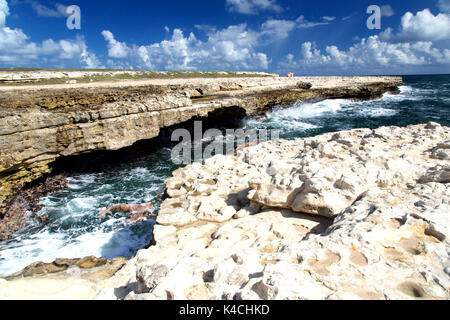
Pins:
x,y
386,191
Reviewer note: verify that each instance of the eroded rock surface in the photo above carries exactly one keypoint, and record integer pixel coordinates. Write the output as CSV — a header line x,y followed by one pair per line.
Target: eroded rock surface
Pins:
x,y
260,224
377,224
40,124
65,279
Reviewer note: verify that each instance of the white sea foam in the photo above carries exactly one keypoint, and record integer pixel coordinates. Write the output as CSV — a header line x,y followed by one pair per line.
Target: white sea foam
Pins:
x,y
374,112
302,110
297,117
81,204
410,93
405,89
83,179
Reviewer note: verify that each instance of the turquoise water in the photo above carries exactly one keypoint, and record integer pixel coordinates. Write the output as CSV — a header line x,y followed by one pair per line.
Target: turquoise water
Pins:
x,y
76,230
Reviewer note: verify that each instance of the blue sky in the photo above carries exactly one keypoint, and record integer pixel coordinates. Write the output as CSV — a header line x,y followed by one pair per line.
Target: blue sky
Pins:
x,y
305,37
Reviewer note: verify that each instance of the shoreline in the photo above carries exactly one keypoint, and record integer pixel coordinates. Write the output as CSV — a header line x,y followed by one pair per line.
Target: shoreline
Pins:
x,y
386,222
81,119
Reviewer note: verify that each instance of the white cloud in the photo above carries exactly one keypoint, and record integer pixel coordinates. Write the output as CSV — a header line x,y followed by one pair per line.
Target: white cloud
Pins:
x,y
4,12
44,11
57,11
328,18
444,5
423,26
410,50
253,6
387,11
116,49
277,29
369,56
16,49
232,48
305,24
206,28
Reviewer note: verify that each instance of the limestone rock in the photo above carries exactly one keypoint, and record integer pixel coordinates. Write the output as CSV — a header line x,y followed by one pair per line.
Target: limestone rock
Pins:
x,y
385,235
38,125
359,214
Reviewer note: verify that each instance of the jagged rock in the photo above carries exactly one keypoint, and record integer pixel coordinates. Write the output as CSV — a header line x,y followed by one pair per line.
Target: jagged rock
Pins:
x,y
304,85
39,125
149,277
76,279
388,198
387,238
59,265
437,174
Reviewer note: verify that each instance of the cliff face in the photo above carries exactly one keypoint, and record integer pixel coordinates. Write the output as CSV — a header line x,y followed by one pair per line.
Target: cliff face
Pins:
x,y
40,124
377,225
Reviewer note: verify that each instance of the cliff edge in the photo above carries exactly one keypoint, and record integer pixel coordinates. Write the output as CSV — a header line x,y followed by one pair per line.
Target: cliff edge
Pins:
x,y
40,124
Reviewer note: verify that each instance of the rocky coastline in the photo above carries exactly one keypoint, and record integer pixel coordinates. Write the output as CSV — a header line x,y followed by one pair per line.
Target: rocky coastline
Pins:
x,y
40,124
360,214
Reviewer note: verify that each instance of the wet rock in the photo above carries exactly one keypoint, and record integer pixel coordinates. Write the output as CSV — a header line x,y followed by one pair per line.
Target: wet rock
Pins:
x,y
59,265
63,279
304,85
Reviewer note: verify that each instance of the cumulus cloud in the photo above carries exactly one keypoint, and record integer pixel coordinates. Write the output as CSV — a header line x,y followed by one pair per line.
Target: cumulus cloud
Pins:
x,y
4,11
232,48
116,49
410,50
423,26
16,49
444,5
369,56
253,6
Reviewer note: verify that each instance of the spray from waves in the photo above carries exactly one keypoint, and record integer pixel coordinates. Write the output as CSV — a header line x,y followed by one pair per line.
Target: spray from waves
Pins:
x,y
302,110
404,89
46,246
408,93
303,117
75,228
297,118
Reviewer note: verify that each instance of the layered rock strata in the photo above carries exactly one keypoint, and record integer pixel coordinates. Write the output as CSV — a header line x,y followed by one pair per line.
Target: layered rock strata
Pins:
x,y
39,124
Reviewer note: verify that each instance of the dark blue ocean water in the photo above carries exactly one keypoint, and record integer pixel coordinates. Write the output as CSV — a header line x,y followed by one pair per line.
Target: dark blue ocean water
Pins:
x,y
76,230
